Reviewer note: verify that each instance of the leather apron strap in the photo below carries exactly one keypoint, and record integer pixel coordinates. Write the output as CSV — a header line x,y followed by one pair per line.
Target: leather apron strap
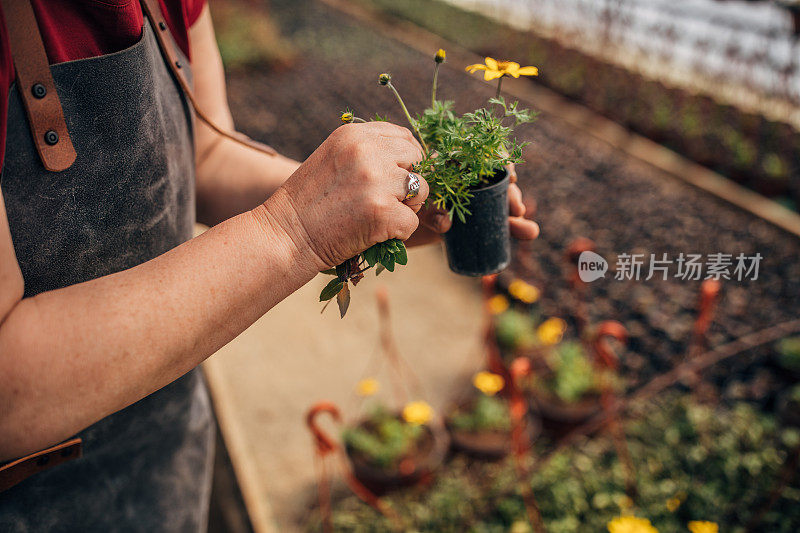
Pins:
x,y
23,468
36,87
153,12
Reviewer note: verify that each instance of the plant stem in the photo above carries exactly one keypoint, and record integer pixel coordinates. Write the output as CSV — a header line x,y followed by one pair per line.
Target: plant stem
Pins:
x,y
358,119
435,78
408,116
499,84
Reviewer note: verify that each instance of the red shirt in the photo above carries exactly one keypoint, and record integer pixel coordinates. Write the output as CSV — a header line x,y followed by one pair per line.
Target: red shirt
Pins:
x,y
77,29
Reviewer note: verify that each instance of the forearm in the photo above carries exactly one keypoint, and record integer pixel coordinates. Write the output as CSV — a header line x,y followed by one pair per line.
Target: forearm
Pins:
x,y
232,179
72,356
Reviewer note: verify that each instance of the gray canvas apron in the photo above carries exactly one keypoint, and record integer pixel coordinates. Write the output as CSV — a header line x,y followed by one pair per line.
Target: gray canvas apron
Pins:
x,y
128,198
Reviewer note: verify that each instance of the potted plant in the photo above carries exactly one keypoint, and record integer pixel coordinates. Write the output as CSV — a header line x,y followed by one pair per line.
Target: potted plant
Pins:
x,y
572,377
464,162
519,333
481,426
567,393
388,450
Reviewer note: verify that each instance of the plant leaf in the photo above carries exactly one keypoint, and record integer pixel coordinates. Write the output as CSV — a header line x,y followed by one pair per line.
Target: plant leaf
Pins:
x,y
371,255
341,271
388,262
330,272
330,290
401,257
379,269
343,300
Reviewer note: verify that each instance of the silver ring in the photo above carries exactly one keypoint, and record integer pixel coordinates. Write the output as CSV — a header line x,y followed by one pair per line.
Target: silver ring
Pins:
x,y
412,186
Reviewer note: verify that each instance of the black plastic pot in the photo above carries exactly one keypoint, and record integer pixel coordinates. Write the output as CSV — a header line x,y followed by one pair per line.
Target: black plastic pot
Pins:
x,y
482,245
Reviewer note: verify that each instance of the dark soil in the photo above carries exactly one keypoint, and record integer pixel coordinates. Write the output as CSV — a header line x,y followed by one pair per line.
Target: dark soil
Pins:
x,y
582,186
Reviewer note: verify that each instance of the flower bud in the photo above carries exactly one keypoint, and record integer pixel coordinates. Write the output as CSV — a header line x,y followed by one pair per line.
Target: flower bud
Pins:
x,y
384,79
440,56
347,117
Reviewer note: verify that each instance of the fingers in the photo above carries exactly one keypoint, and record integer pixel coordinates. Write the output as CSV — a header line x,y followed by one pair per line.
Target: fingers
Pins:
x,y
401,186
523,229
435,219
512,172
405,222
516,207
405,154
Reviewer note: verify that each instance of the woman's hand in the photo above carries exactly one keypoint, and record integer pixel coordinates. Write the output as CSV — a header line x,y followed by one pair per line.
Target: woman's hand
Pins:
x,y
434,222
349,194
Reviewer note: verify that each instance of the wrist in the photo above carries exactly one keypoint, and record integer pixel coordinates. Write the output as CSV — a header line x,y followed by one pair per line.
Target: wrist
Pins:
x,y
278,216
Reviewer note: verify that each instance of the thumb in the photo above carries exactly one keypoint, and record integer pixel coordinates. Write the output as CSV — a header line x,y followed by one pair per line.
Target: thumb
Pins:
x,y
435,219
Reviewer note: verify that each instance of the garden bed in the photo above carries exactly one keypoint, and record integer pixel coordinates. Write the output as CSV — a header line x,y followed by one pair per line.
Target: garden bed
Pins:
x,y
760,153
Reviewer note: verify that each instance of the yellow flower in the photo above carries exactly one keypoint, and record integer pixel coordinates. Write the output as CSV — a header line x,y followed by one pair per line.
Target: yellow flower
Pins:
x,y
498,304
673,504
440,56
417,412
631,524
368,387
497,69
488,383
384,79
698,526
522,291
550,331
347,117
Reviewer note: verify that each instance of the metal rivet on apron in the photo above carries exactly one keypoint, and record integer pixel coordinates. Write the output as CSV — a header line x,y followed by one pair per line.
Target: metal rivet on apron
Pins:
x,y
51,137
162,26
39,90
178,64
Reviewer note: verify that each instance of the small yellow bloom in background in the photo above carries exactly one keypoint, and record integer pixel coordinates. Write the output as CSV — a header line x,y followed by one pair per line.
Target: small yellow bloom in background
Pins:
x,y
368,387
440,56
488,383
347,117
551,330
497,304
522,291
384,79
673,504
494,69
631,524
417,412
702,526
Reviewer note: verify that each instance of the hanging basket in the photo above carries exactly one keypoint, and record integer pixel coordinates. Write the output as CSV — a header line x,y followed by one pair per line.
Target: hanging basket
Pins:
x,y
489,445
417,467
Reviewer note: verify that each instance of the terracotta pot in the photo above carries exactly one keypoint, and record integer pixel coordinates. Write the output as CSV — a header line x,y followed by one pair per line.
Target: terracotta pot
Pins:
x,y
490,445
560,417
418,467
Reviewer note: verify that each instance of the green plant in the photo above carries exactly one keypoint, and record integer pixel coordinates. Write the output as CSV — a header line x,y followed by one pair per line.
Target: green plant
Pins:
x,y
248,37
383,439
574,375
515,330
460,154
789,353
487,413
